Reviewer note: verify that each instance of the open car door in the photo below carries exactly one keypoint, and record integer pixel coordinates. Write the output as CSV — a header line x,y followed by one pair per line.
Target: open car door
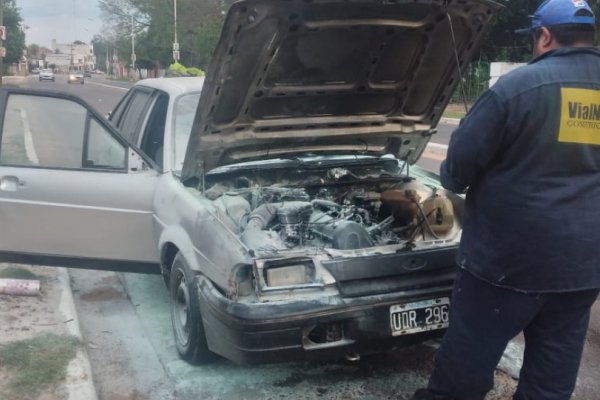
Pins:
x,y
72,191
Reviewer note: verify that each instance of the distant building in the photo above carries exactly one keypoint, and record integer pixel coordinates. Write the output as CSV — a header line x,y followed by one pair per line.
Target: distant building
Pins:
x,y
76,55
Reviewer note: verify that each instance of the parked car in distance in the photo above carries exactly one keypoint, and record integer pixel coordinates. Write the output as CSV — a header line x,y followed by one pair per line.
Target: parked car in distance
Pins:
x,y
277,196
46,74
75,77
87,73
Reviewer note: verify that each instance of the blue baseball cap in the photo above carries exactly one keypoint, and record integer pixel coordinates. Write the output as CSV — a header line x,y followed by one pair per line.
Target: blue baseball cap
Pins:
x,y
560,12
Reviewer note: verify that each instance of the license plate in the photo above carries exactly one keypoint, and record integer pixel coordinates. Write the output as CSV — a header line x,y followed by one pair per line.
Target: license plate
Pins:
x,y
419,316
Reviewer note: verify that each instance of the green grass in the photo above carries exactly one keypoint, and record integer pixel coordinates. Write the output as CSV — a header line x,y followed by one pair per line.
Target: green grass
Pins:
x,y
17,273
453,114
36,364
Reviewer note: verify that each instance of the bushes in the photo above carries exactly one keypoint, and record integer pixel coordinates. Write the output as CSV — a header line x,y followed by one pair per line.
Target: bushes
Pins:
x,y
176,69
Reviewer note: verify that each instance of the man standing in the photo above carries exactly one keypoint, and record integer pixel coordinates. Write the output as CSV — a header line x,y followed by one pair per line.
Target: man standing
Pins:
x,y
529,154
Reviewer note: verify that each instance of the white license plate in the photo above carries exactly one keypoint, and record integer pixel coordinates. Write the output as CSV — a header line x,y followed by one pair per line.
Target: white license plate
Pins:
x,y
419,316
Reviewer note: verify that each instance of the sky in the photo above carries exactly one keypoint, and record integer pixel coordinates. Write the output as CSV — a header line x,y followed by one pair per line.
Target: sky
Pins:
x,y
63,20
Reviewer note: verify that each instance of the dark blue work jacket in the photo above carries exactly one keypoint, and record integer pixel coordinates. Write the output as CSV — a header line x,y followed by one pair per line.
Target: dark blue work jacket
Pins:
x,y
529,153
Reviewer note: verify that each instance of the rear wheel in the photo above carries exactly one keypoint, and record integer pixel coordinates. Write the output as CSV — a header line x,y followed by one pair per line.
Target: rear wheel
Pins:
x,y
186,318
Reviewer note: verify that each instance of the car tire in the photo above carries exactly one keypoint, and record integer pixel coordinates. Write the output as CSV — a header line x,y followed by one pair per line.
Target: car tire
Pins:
x,y
188,329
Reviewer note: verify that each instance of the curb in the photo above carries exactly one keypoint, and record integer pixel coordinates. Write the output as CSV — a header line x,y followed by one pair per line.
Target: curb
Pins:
x,y
79,381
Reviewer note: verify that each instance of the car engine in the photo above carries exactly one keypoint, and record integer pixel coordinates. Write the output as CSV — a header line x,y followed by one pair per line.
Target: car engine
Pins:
x,y
336,208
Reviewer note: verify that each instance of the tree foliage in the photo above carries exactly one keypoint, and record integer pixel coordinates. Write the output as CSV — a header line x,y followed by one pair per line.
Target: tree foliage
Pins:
x,y
15,37
502,44
199,25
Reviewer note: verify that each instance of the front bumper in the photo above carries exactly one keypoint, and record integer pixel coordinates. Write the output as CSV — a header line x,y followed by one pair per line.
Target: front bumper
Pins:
x,y
327,328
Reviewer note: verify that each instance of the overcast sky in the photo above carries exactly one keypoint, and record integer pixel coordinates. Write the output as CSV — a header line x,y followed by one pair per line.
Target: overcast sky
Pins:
x,y
63,20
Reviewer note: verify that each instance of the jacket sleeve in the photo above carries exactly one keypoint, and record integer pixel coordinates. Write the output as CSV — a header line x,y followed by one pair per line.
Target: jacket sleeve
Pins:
x,y
475,143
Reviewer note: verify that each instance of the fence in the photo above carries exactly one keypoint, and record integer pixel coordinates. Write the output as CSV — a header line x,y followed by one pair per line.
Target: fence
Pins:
x,y
475,81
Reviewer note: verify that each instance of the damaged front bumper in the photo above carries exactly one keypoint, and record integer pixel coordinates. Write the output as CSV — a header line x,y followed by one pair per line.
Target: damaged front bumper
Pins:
x,y
329,327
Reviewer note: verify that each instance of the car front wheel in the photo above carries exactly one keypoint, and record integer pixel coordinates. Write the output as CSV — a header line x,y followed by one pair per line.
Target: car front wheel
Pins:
x,y
186,318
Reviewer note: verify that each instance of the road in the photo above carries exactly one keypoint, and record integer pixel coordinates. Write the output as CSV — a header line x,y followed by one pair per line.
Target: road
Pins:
x,y
126,325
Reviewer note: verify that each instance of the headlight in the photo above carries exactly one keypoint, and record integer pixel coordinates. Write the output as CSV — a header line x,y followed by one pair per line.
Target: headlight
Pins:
x,y
287,275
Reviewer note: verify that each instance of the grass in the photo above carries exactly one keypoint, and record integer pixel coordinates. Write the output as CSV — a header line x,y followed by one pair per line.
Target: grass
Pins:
x,y
453,114
455,110
17,273
35,364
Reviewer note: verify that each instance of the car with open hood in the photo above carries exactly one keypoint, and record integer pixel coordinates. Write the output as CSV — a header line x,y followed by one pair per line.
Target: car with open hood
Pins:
x,y
281,206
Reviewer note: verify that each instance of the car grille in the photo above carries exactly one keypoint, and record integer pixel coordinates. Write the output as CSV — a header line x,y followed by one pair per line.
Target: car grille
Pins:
x,y
404,271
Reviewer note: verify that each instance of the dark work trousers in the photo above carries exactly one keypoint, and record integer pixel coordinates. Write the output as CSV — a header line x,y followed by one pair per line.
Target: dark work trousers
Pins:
x,y
484,318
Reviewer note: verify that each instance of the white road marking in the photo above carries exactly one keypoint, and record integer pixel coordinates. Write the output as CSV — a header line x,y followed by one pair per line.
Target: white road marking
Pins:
x,y
438,146
108,86
29,148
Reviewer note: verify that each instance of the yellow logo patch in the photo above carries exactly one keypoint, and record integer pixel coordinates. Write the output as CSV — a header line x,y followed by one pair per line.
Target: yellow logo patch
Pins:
x,y
579,116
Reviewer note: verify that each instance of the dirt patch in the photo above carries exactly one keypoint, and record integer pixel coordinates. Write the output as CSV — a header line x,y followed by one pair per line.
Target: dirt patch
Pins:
x,y
102,293
24,317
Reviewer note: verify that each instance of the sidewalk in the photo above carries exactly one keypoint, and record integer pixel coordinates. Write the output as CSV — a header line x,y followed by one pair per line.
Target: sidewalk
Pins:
x,y
48,316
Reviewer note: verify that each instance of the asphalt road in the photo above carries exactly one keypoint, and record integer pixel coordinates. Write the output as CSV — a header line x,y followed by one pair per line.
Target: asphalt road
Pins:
x,y
126,326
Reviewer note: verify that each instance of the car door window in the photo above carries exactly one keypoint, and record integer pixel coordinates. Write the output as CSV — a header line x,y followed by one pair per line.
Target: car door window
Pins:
x,y
154,131
102,149
133,118
34,134
116,115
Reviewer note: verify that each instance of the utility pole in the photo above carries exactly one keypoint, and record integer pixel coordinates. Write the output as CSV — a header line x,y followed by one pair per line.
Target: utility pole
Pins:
x,y
175,42
132,46
1,40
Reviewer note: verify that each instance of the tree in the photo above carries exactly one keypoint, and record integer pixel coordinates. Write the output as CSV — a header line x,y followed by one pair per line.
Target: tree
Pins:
x,y
199,26
502,44
15,37
33,50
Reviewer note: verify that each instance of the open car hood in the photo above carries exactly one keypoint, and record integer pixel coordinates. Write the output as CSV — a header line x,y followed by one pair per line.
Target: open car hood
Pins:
x,y
298,77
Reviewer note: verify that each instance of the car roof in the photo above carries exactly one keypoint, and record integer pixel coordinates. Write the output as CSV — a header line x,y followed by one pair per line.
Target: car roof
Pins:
x,y
174,86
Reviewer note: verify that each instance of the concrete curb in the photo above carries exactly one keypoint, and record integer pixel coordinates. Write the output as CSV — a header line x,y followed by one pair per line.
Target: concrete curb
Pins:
x,y
79,382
